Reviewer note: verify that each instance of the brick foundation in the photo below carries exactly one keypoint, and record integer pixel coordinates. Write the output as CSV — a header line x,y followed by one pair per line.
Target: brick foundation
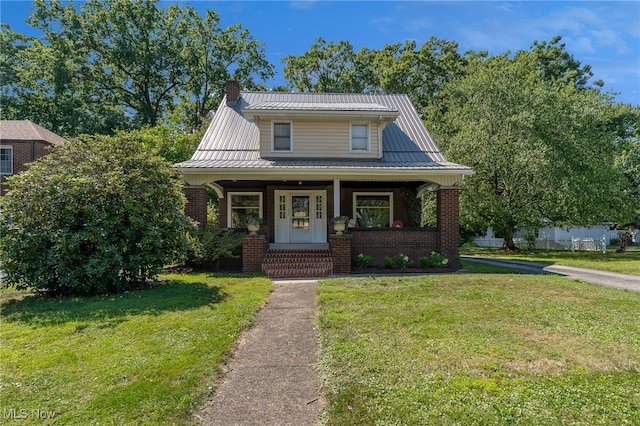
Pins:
x,y
340,246
254,249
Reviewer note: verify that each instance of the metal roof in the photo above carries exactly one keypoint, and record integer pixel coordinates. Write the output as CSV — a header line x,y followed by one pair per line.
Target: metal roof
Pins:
x,y
27,131
232,140
315,106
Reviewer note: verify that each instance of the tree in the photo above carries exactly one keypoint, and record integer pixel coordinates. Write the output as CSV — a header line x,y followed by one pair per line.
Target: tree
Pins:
x,y
418,72
540,150
396,68
41,83
98,215
166,141
326,67
126,64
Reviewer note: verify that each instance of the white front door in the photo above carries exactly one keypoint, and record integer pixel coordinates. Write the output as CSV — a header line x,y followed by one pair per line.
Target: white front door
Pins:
x,y
300,217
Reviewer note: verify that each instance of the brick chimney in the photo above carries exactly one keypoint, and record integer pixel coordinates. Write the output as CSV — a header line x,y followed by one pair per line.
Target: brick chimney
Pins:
x,y
232,90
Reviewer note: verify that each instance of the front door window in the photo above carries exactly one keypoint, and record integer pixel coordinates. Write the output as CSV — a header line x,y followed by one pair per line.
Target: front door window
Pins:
x,y
300,219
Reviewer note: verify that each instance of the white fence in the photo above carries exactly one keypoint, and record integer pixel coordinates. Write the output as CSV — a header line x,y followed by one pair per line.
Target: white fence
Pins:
x,y
593,239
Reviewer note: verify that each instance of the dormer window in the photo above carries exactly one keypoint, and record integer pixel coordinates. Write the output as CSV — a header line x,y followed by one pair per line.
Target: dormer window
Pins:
x,y
282,139
360,141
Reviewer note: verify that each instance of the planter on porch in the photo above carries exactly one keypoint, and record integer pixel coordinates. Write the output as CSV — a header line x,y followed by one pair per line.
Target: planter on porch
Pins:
x,y
339,224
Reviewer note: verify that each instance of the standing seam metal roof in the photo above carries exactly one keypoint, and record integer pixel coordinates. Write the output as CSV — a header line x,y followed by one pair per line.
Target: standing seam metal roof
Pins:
x,y
232,141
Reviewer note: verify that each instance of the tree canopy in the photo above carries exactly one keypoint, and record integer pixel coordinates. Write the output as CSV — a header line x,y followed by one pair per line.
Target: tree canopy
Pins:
x,y
543,150
123,64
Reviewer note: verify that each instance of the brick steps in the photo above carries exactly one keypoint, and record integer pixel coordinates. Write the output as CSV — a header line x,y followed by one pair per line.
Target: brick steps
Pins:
x,y
292,263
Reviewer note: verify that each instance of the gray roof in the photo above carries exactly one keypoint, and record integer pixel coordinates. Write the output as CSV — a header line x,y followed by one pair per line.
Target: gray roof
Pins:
x,y
232,141
27,131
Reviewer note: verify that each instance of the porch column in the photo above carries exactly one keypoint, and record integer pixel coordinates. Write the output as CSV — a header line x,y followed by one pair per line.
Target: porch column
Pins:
x,y
196,207
449,225
336,197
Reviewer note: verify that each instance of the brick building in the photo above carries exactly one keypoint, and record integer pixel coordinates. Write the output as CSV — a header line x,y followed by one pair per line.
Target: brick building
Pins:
x,y
22,142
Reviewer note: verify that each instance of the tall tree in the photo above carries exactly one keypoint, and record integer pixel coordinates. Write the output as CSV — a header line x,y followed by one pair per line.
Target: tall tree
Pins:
x,y
396,68
141,62
41,83
418,72
326,67
540,151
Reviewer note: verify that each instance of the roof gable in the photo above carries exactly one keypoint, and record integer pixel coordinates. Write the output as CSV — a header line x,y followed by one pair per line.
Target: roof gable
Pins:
x,y
27,131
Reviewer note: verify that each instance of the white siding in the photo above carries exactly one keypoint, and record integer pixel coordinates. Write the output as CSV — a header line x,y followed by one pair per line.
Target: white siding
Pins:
x,y
317,139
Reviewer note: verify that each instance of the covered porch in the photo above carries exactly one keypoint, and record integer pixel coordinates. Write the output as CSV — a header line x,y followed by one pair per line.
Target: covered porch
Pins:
x,y
295,214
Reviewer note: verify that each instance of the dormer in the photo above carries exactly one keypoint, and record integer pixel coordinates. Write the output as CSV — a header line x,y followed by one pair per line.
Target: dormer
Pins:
x,y
319,129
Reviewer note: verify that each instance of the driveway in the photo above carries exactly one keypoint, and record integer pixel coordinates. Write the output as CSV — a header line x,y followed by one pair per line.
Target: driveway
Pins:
x,y
607,279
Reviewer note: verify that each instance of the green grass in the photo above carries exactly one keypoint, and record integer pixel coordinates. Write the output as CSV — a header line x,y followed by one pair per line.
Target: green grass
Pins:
x,y
142,357
624,263
478,349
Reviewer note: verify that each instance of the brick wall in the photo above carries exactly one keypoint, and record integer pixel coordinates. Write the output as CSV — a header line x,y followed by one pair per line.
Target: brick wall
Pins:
x,y
449,225
340,246
254,248
24,152
383,242
196,207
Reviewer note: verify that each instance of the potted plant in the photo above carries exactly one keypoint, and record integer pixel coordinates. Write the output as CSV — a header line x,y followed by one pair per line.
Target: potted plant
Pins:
x,y
253,224
339,224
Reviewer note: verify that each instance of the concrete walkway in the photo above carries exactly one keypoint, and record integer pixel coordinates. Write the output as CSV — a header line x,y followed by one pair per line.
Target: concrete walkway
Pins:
x,y
608,279
271,379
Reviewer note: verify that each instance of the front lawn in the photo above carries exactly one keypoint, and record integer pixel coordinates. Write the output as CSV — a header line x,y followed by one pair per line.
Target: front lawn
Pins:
x,y
624,263
142,357
478,349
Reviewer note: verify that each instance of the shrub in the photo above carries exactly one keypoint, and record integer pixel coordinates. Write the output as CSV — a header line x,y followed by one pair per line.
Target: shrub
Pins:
x,y
424,262
212,245
401,260
388,262
363,260
398,261
437,260
97,215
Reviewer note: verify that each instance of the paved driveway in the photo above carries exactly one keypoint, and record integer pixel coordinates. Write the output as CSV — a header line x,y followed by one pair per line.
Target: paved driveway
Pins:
x,y
608,279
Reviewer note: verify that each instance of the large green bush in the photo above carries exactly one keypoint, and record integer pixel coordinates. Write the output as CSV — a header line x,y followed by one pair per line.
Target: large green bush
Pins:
x,y
98,215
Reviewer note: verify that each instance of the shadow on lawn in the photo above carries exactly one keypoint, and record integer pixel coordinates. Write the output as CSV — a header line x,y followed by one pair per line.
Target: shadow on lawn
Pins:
x,y
170,295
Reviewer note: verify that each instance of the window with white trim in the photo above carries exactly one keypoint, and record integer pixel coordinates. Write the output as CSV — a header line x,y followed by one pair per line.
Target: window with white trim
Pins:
x,y
241,206
282,139
360,137
373,209
6,160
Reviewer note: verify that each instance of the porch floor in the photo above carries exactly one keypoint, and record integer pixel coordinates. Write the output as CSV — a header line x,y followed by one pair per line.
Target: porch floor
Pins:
x,y
281,262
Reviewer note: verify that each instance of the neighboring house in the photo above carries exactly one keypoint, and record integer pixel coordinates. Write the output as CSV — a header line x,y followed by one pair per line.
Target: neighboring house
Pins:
x,y
296,160
22,142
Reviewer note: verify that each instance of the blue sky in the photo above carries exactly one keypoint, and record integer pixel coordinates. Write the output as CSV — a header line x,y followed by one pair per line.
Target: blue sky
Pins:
x,y
603,34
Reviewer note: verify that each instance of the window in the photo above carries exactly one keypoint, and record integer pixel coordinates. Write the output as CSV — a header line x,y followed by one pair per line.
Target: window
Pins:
x,y
373,209
360,137
241,206
282,137
6,160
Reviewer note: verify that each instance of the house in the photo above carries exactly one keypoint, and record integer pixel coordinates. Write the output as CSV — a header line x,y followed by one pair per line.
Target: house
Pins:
x,y
22,142
296,160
